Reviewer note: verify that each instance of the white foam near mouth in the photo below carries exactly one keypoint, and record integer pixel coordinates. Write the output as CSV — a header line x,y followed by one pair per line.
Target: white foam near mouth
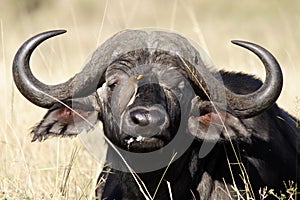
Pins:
x,y
137,139
131,140
140,139
149,142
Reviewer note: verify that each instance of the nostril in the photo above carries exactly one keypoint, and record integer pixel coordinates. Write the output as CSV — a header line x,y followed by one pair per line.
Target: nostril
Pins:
x,y
140,117
157,117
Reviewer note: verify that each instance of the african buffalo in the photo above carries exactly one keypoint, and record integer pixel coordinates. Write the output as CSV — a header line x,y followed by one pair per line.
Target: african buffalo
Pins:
x,y
175,126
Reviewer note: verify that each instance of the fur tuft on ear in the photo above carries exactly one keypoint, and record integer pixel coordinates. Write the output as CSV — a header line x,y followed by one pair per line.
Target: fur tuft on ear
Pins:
x,y
211,124
68,119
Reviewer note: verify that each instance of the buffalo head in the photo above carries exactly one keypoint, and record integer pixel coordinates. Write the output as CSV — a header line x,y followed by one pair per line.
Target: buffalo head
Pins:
x,y
143,85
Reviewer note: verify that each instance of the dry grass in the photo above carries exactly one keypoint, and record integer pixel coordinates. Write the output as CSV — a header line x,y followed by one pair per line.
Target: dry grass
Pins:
x,y
49,170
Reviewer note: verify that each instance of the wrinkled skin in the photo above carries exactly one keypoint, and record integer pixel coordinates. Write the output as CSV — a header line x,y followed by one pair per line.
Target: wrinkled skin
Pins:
x,y
258,140
141,100
150,96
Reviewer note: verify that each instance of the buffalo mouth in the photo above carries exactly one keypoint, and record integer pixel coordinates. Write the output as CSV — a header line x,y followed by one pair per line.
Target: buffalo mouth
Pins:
x,y
142,144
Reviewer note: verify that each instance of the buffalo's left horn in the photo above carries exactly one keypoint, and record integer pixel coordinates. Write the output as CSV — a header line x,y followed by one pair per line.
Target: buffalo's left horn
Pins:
x,y
254,103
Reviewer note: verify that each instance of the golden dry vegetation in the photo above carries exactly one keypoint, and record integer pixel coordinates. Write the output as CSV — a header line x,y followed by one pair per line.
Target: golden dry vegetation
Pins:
x,y
62,168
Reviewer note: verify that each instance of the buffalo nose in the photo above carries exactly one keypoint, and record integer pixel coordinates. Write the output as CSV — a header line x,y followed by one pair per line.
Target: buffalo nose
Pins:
x,y
140,117
144,117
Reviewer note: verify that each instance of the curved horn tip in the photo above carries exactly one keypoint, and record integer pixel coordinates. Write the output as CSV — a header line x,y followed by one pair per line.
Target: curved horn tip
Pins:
x,y
53,33
39,38
241,42
255,48
58,31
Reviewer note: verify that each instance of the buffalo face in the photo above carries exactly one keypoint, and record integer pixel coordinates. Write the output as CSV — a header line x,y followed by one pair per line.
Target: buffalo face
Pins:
x,y
136,83
140,110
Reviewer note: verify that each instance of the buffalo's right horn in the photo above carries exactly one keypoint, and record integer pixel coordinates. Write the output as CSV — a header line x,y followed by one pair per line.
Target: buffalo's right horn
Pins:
x,y
46,95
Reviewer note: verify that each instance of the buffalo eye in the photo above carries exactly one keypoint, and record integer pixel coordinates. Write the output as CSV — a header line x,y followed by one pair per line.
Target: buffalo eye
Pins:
x,y
112,84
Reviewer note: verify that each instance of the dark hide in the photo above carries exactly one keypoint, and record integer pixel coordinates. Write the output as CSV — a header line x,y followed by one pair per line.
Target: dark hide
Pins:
x,y
269,157
256,152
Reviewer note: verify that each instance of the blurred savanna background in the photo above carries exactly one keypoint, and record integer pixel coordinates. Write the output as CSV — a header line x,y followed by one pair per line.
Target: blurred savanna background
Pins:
x,y
63,168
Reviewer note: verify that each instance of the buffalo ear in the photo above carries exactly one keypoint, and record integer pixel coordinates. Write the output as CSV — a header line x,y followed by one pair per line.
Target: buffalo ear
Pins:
x,y
209,124
67,119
